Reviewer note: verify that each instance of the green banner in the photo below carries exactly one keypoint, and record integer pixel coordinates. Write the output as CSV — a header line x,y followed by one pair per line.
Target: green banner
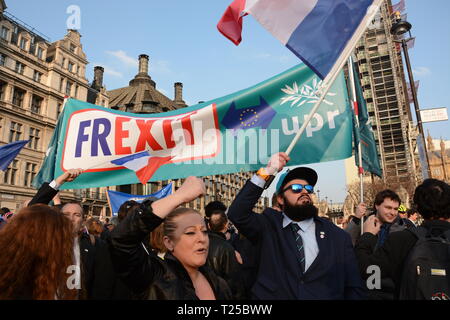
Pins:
x,y
238,132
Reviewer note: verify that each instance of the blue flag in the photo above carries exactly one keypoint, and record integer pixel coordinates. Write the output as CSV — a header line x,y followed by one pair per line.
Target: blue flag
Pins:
x,y
117,198
8,152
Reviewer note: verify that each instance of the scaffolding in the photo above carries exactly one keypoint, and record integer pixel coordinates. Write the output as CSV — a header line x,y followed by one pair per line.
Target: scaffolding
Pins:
x,y
384,87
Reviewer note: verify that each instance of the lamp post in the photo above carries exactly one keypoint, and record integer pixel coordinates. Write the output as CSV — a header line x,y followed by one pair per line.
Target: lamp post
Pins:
x,y
398,28
318,195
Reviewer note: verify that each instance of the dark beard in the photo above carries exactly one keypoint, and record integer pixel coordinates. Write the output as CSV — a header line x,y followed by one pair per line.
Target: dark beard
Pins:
x,y
300,212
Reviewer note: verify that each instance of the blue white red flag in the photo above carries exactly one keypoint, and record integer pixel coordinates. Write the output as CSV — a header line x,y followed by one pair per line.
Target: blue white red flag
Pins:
x,y
143,163
316,31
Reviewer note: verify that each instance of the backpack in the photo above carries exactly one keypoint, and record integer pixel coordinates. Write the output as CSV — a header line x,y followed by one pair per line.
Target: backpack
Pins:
x,y
426,272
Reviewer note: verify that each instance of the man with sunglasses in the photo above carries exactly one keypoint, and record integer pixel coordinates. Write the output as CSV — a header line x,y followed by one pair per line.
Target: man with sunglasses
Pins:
x,y
301,256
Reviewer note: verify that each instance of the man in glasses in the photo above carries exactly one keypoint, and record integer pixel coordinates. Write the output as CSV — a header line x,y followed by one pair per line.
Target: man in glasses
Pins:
x,y
301,256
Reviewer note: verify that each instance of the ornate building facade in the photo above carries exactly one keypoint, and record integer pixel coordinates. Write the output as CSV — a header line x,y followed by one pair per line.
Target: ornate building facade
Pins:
x,y
439,158
35,77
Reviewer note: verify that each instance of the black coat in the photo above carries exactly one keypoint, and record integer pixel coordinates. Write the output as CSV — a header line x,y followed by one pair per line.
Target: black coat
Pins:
x,y
250,263
332,275
147,275
222,260
391,256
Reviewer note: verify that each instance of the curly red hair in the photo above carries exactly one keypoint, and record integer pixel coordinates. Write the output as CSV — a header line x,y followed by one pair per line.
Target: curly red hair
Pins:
x,y
36,248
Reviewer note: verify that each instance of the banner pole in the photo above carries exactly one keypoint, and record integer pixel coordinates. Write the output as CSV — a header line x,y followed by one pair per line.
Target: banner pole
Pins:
x,y
334,72
356,111
109,202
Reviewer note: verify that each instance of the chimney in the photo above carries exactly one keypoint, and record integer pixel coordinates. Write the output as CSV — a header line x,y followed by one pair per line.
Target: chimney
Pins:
x,y
179,93
143,64
98,77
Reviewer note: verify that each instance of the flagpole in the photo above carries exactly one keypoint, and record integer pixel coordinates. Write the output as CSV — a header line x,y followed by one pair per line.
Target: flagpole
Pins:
x,y
356,111
322,94
109,202
334,72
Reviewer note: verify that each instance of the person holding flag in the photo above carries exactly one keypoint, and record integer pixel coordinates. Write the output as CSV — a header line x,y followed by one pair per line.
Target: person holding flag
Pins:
x,y
301,256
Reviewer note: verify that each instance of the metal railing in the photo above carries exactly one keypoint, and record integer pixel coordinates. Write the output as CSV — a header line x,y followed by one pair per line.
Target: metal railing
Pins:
x,y
26,26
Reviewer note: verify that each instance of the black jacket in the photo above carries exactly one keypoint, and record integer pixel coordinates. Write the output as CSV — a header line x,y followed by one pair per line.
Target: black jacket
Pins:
x,y
391,256
222,260
250,263
147,275
333,275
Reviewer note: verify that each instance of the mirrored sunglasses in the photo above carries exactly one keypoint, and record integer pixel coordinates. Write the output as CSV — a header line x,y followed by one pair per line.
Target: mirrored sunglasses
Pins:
x,y
297,188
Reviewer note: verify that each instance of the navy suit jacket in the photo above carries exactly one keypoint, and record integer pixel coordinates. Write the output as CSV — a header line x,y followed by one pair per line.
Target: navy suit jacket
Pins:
x,y
334,274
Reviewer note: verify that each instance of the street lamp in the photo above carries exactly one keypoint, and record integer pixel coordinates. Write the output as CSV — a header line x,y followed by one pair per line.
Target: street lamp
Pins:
x,y
399,28
318,194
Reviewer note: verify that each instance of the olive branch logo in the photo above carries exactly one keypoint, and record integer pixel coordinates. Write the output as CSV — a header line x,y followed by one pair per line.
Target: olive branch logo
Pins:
x,y
306,94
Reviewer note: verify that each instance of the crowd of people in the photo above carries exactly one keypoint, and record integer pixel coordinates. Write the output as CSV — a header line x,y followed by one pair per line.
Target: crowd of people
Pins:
x,y
160,250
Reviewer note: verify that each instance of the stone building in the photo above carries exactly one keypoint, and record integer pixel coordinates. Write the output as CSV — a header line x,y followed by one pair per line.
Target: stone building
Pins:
x,y
35,77
439,158
384,87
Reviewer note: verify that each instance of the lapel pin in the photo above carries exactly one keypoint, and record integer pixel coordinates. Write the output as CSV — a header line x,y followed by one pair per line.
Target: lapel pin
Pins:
x,y
322,234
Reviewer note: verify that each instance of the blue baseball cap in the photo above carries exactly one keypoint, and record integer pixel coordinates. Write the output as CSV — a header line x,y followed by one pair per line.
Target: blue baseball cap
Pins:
x,y
303,173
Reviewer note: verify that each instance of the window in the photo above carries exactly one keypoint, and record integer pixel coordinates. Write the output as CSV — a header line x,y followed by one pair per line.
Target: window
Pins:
x,y
23,43
15,131
30,173
18,96
61,83
4,33
11,173
70,66
37,76
63,63
2,90
68,88
2,59
20,67
72,48
36,104
58,110
76,92
40,52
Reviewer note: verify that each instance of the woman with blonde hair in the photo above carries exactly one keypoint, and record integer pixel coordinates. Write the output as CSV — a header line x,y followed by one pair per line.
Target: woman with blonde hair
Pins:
x,y
36,251
182,275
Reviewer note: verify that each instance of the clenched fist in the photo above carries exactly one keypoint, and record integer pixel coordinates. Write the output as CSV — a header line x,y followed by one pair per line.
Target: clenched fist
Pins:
x,y
69,176
277,162
191,189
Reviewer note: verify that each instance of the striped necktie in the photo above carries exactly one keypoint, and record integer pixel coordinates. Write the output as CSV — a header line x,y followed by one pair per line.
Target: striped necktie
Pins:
x,y
299,243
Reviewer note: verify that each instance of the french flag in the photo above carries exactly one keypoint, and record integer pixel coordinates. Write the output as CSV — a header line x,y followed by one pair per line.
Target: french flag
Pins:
x,y
143,163
316,31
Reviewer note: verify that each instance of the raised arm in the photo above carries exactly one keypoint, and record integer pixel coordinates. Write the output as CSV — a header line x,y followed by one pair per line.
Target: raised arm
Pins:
x,y
49,190
241,210
130,261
